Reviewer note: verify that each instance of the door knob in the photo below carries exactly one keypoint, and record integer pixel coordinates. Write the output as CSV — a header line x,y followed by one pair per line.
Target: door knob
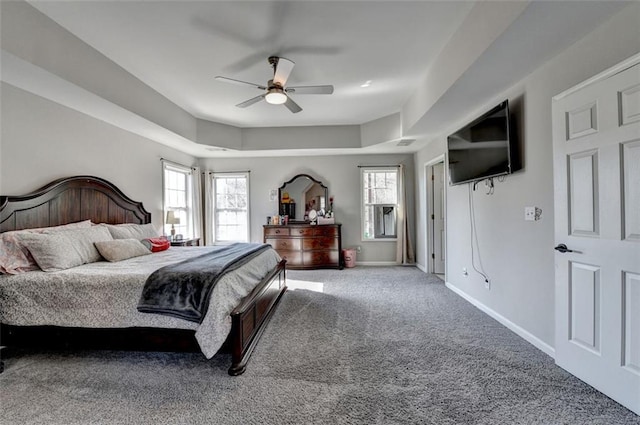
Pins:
x,y
562,248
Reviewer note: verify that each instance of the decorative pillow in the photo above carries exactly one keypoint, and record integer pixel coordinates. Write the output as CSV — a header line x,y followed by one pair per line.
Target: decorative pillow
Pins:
x,y
121,249
63,250
132,231
156,244
15,258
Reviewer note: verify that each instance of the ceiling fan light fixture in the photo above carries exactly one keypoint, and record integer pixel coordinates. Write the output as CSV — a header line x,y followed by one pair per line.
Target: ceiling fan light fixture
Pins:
x,y
275,96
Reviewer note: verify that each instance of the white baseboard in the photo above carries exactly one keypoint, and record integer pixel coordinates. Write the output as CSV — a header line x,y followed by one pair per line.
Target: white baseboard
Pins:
x,y
532,339
376,263
421,267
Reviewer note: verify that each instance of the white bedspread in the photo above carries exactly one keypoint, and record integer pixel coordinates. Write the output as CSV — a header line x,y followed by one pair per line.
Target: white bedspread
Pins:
x,y
105,295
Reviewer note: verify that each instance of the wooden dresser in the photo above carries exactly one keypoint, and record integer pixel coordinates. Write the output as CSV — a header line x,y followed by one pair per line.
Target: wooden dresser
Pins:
x,y
307,247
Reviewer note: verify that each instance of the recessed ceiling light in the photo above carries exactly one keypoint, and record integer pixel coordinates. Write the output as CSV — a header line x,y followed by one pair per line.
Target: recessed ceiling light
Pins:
x,y
366,84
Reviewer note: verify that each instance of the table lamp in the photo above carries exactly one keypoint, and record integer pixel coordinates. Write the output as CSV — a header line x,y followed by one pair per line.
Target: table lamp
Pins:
x,y
172,219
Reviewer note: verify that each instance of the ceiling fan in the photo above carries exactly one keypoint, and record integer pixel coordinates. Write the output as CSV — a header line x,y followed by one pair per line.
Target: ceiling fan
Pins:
x,y
276,91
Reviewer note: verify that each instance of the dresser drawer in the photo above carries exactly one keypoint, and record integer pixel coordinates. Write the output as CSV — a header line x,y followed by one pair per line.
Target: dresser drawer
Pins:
x,y
294,258
302,231
325,231
291,244
319,243
321,258
276,231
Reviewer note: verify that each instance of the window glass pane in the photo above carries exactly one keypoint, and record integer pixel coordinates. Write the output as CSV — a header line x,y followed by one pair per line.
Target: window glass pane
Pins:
x,y
368,222
177,198
231,208
380,194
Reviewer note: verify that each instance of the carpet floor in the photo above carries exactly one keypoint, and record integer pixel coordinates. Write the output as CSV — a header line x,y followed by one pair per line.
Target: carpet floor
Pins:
x,y
384,345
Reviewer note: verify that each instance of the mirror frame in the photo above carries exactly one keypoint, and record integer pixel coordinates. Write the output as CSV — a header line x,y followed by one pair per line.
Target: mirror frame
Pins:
x,y
280,189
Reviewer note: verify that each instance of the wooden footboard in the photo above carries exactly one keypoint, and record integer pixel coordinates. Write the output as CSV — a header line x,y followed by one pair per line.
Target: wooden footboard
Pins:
x,y
250,318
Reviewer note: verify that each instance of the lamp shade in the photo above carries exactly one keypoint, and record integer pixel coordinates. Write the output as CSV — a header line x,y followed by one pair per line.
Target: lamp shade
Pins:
x,y
171,218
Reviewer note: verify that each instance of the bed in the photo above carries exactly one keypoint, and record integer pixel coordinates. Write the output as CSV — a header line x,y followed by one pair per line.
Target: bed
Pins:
x,y
100,298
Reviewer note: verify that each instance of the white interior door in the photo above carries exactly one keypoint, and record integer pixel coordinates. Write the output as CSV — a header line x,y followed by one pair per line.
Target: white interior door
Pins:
x,y
596,148
437,217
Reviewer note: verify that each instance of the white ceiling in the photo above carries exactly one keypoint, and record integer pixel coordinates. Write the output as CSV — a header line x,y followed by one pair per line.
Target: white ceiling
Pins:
x,y
177,47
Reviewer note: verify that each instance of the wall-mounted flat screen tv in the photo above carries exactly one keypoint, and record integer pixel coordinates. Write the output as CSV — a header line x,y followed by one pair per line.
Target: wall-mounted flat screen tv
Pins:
x,y
483,148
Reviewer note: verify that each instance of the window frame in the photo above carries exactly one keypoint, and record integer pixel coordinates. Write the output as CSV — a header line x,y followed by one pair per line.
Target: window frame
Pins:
x,y
213,176
188,208
364,204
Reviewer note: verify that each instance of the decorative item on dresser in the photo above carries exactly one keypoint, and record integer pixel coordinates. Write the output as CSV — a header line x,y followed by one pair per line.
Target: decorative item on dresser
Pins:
x,y
307,246
186,242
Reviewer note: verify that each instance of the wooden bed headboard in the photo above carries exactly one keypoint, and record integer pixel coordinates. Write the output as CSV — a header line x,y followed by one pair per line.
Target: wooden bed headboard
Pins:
x,y
69,200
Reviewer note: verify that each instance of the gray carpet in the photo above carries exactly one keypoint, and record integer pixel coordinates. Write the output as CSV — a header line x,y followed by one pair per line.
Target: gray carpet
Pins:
x,y
379,346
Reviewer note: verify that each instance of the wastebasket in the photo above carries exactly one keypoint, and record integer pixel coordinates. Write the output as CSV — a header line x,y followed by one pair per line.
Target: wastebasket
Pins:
x,y
349,255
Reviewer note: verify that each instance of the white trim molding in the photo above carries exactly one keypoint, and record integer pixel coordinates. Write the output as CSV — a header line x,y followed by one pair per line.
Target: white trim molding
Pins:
x,y
527,336
380,263
625,64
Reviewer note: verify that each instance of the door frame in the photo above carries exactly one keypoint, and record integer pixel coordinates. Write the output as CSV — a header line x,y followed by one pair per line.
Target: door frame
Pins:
x,y
429,236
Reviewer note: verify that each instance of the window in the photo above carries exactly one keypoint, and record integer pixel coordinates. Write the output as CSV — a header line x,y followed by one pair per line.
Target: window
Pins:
x,y
379,203
177,199
231,207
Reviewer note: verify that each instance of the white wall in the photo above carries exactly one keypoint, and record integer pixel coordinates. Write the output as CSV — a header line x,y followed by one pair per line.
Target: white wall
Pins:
x,y
339,173
42,141
518,255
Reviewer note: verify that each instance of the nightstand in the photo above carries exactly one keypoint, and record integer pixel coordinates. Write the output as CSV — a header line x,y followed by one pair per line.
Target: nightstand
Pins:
x,y
186,242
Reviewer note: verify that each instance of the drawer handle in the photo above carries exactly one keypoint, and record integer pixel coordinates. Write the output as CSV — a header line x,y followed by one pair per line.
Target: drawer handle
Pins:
x,y
277,231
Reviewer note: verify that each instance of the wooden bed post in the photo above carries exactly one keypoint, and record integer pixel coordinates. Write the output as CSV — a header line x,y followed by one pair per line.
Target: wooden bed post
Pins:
x,y
250,318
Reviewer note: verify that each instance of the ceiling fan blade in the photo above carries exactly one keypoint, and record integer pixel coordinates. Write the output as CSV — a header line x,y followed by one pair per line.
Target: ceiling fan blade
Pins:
x,y
251,101
240,83
282,70
292,106
310,90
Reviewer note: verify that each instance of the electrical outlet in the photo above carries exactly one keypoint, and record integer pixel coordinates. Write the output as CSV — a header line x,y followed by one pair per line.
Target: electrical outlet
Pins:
x,y
532,213
487,284
529,213
273,195
358,249
464,272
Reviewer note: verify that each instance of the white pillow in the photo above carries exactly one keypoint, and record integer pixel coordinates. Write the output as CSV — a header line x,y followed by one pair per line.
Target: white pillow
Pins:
x,y
132,231
63,250
121,249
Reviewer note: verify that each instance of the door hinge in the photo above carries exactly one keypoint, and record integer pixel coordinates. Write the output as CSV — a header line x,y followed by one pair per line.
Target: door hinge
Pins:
x,y
433,217
433,177
433,255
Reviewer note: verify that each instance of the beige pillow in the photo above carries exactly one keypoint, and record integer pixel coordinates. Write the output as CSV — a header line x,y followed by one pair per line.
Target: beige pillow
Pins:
x,y
121,249
63,250
132,231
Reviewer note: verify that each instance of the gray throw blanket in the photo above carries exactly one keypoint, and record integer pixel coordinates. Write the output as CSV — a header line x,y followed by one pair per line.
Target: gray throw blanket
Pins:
x,y
183,289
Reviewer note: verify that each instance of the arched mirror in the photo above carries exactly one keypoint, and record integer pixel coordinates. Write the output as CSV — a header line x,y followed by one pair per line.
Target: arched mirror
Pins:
x,y
300,195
